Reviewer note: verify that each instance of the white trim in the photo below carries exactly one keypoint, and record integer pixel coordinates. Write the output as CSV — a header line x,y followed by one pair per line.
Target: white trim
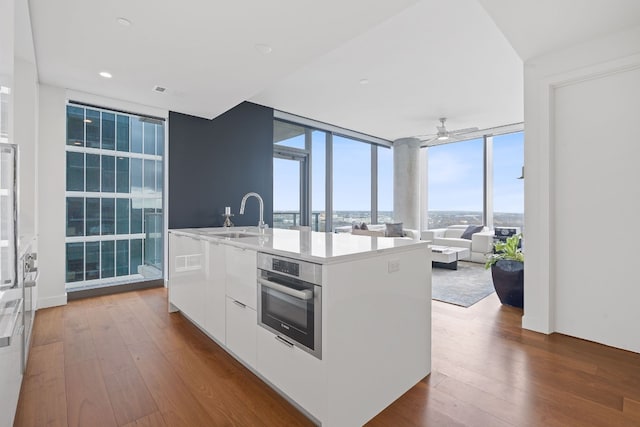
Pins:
x,y
53,301
281,115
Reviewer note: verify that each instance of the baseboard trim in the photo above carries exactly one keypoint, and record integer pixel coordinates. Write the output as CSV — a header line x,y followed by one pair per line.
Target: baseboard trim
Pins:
x,y
54,301
109,290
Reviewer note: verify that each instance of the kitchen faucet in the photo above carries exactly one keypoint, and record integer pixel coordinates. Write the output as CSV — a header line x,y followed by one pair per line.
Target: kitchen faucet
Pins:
x,y
261,224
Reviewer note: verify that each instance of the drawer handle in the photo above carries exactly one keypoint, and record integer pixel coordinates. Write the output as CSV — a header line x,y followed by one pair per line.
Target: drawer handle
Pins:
x,y
239,304
283,341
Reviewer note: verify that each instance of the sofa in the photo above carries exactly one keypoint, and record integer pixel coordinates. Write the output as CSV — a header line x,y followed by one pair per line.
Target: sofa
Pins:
x,y
480,244
379,230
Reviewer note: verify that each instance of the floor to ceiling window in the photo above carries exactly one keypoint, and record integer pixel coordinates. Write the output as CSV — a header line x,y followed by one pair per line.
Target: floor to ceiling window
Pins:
x,y
508,180
349,178
477,182
114,193
351,181
456,183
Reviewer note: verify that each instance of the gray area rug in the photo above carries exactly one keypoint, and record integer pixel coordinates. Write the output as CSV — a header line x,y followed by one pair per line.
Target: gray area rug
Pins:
x,y
464,287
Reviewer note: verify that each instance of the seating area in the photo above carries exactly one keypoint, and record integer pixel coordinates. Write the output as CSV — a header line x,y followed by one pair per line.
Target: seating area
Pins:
x,y
477,239
380,230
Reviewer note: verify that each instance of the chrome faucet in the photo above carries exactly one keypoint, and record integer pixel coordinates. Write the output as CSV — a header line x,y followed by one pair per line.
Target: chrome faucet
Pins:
x,y
261,224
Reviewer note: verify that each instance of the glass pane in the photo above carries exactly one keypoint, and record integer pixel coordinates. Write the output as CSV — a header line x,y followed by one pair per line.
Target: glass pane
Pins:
x,y
92,260
149,138
136,135
136,255
288,134
92,126
75,262
108,174
92,209
149,176
136,175
122,216
455,183
385,185
108,253
123,133
108,216
75,126
122,257
75,216
351,181
136,215
159,177
286,193
108,131
122,175
318,179
93,172
153,241
75,171
508,190
160,140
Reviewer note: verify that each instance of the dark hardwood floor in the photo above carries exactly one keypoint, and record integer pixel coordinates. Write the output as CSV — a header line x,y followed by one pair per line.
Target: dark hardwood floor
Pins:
x,y
123,360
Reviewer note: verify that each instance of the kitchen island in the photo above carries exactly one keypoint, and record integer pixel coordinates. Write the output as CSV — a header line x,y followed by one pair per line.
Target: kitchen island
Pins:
x,y
372,312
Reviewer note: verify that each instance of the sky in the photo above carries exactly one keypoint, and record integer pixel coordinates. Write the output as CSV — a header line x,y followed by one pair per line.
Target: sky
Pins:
x,y
455,175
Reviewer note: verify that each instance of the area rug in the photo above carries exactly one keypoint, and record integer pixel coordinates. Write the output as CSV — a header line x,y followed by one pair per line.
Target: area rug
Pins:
x,y
464,287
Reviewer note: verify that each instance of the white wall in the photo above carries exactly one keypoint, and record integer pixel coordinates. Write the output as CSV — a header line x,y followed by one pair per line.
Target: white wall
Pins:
x,y
581,150
25,135
51,197
52,182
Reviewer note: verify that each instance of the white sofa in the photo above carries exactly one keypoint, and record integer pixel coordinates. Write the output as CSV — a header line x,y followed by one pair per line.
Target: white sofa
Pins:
x,y
378,230
480,245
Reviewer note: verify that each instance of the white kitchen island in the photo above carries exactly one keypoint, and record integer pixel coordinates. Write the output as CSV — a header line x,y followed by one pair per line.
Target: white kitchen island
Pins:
x,y
376,314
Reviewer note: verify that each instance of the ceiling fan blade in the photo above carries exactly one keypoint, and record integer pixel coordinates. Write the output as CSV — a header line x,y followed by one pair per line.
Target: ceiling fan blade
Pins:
x,y
465,130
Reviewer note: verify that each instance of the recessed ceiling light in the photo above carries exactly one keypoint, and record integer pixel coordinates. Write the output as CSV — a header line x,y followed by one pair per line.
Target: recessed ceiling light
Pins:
x,y
263,48
124,22
105,74
159,89
364,81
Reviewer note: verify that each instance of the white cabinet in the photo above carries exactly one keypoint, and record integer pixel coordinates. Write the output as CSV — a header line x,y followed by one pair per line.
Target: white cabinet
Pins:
x,y
297,373
187,279
241,274
242,323
215,292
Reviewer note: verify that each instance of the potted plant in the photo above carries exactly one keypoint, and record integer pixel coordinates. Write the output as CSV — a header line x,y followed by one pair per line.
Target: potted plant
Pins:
x,y
507,271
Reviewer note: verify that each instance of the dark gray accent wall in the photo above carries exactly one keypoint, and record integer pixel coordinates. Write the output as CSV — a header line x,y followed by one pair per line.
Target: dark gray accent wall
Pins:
x,y
213,163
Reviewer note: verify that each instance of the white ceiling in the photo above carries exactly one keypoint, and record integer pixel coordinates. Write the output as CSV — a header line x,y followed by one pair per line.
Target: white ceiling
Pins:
x,y
423,59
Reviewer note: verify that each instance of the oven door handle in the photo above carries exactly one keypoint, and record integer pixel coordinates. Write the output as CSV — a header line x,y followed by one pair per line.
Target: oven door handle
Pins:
x,y
303,295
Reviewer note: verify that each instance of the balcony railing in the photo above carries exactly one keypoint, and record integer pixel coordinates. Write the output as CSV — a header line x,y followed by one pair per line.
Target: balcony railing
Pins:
x,y
282,219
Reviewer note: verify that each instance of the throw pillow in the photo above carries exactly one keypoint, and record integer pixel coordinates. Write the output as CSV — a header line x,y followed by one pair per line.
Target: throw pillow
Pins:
x,y
356,227
363,226
471,230
393,230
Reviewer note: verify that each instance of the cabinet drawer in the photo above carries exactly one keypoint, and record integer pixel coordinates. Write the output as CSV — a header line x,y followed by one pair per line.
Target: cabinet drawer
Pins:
x,y
241,331
298,374
242,268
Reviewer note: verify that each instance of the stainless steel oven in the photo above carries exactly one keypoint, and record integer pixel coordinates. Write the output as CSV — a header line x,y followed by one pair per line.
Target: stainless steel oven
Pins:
x,y
290,301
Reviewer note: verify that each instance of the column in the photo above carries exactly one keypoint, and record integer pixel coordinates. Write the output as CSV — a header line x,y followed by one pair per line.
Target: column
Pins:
x,y
406,182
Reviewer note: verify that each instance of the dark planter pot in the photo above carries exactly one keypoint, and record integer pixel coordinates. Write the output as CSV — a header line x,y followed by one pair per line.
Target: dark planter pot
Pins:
x,y
508,280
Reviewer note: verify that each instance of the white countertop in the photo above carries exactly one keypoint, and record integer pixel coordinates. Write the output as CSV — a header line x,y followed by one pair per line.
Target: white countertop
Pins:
x,y
323,248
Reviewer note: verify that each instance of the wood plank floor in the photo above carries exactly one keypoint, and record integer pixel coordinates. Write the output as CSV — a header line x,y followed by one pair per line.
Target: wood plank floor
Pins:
x,y
123,360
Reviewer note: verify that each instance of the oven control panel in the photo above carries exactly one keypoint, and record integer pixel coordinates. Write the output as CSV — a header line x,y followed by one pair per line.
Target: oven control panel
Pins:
x,y
287,267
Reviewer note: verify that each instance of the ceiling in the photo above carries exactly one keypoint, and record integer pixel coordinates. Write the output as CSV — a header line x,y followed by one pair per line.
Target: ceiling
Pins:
x,y
385,68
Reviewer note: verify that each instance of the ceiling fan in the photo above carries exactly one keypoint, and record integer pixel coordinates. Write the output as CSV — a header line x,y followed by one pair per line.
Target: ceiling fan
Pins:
x,y
444,136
